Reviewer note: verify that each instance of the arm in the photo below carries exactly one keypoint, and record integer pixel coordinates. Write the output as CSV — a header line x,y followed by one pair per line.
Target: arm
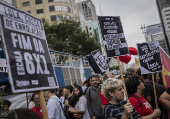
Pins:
x,y
165,100
155,114
67,103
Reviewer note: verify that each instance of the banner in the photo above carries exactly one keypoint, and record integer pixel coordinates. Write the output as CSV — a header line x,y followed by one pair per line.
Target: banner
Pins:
x,y
3,65
113,36
149,57
166,68
93,64
82,73
100,60
28,59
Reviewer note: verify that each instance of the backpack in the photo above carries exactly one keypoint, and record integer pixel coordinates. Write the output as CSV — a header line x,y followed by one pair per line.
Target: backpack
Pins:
x,y
137,99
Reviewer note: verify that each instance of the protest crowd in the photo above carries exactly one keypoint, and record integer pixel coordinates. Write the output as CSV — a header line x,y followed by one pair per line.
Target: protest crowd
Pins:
x,y
100,97
142,93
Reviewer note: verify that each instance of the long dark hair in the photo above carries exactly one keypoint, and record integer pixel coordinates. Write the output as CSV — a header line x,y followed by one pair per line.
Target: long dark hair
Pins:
x,y
79,95
89,81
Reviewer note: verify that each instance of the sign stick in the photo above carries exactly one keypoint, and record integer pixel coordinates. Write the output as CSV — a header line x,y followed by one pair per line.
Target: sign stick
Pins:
x,y
43,105
123,81
156,102
27,100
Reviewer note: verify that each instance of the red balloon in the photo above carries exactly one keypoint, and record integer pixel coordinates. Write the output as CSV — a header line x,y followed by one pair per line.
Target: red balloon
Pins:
x,y
126,59
133,51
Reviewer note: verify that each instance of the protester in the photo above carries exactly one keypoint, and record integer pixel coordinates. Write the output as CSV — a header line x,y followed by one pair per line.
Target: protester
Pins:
x,y
149,92
3,113
31,102
85,85
104,100
6,105
57,92
158,78
89,82
37,107
117,108
93,99
165,99
69,101
62,94
23,114
53,105
135,88
81,103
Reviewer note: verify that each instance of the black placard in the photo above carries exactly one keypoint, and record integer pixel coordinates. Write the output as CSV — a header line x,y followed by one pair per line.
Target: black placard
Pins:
x,y
149,57
113,36
29,63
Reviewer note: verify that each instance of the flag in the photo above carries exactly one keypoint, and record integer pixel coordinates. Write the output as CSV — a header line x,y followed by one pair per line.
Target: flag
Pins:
x,y
82,73
93,64
166,68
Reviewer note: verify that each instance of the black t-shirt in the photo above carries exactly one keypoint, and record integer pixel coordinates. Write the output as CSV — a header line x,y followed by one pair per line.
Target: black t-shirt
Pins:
x,y
72,102
148,91
168,90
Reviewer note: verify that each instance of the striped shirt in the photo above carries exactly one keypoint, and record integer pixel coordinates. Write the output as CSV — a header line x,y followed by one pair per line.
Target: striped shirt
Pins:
x,y
112,111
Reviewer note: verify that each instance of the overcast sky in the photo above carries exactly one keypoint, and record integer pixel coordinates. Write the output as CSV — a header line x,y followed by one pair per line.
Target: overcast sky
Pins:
x,y
133,13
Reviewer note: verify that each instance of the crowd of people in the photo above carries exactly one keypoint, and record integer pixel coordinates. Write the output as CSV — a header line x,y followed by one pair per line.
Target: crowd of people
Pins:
x,y
101,99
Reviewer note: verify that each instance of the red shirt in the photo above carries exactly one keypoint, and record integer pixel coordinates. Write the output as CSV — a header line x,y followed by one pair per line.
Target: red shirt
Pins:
x,y
146,107
37,110
104,100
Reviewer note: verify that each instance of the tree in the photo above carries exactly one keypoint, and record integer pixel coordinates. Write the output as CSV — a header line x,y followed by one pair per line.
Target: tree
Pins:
x,y
114,67
67,36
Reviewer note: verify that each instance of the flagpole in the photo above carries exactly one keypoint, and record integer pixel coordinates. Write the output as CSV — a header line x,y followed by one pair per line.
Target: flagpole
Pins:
x,y
123,82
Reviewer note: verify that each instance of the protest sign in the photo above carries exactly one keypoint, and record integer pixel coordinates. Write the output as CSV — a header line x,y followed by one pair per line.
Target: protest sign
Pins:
x,y
149,57
113,36
100,60
3,65
28,59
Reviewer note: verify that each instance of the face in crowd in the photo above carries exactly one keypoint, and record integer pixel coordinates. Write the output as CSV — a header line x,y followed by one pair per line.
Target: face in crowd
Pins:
x,y
95,81
36,100
76,91
118,94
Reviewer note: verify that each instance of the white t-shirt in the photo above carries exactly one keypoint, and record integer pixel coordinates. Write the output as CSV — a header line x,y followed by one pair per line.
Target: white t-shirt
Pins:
x,y
62,101
31,104
82,106
53,111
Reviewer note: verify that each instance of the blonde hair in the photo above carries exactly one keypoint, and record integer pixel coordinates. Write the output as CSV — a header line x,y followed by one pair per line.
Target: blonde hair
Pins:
x,y
109,86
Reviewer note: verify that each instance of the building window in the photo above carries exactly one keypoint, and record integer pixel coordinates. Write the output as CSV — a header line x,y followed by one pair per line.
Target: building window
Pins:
x,y
59,17
38,1
24,4
66,1
90,28
60,8
39,11
29,12
167,14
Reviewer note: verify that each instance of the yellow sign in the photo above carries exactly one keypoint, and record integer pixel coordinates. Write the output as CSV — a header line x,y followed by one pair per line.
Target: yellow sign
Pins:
x,y
136,62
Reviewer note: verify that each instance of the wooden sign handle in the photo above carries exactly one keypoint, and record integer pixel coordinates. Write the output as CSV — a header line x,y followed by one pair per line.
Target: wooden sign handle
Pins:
x,y
156,102
43,105
27,100
123,82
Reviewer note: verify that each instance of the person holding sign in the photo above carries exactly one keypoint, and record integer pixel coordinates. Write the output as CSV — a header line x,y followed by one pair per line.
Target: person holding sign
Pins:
x,y
117,108
135,88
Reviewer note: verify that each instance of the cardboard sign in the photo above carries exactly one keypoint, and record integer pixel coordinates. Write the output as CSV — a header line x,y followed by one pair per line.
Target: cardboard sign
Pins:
x,y
149,57
3,65
113,36
29,62
100,60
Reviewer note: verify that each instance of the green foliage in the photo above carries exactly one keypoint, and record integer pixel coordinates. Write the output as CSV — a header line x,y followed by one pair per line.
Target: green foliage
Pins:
x,y
114,67
67,36
129,69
